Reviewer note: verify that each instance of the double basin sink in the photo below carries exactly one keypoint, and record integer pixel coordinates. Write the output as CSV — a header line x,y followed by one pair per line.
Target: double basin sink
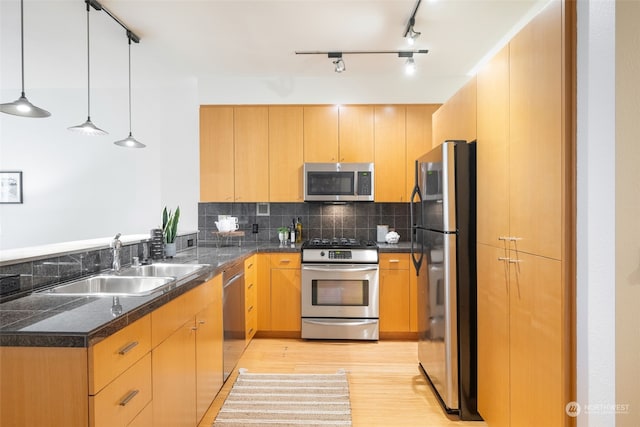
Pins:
x,y
132,281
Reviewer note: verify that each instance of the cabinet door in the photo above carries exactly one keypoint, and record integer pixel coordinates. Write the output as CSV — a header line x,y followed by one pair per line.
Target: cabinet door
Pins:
x,y
418,137
536,139
285,153
174,380
216,154
493,335
538,351
456,119
264,292
356,133
321,133
209,363
285,299
390,153
493,149
251,153
394,301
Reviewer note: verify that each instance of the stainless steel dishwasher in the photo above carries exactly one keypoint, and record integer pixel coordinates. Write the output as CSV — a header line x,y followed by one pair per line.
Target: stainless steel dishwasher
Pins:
x,y
233,316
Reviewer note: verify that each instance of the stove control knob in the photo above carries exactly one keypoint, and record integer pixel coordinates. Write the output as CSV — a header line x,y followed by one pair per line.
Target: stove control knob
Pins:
x,y
321,253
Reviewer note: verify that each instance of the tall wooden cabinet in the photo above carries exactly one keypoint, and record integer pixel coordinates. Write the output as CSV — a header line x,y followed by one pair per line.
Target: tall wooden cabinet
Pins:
x,y
456,119
418,134
356,133
390,153
285,153
251,153
320,133
216,154
524,177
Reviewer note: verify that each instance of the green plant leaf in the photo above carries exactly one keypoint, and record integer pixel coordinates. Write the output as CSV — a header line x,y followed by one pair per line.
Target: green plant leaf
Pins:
x,y
170,224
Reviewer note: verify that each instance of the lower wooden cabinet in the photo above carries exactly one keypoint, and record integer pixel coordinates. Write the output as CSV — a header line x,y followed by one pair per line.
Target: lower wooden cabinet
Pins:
x,y
251,296
285,292
397,295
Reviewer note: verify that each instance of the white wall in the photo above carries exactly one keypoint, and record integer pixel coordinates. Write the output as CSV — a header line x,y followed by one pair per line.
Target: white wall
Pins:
x,y
80,187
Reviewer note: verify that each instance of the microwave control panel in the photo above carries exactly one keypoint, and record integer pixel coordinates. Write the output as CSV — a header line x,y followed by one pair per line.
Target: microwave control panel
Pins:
x,y
364,183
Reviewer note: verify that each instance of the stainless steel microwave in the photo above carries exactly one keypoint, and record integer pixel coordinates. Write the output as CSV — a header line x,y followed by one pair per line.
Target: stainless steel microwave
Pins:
x,y
338,182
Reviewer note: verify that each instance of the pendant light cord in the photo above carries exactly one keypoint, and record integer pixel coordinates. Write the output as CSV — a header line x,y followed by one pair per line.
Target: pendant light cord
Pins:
x,y
129,86
88,68
22,41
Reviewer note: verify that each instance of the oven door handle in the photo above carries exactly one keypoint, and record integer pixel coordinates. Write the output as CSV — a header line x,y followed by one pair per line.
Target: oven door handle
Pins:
x,y
333,269
342,322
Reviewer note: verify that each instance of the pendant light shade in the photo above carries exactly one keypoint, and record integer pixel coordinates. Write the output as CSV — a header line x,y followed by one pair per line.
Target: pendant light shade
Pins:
x,y
130,141
88,128
22,106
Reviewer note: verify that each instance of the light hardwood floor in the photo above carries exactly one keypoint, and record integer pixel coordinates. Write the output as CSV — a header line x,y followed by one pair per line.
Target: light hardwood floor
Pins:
x,y
386,385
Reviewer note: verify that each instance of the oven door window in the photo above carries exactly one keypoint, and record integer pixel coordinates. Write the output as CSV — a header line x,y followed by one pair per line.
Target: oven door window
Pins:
x,y
340,293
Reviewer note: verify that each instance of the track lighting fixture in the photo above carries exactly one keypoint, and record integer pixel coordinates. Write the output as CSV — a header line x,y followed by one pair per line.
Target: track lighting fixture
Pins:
x,y
88,128
338,61
22,107
410,33
410,64
130,141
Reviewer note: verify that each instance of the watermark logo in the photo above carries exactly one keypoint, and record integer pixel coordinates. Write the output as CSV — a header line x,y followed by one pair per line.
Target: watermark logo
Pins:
x,y
573,409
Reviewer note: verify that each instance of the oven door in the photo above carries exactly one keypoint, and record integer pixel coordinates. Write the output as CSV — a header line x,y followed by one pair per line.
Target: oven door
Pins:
x,y
340,291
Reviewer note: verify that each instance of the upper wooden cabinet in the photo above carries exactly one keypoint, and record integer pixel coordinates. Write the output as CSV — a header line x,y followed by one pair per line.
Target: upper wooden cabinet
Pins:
x,y
356,133
493,149
536,149
390,153
418,137
216,154
285,153
320,133
456,119
251,152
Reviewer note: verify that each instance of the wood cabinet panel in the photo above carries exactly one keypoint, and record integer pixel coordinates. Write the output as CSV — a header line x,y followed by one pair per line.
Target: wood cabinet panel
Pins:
x,y
395,294
356,133
120,402
174,379
144,418
493,335
536,336
168,318
536,155
285,153
251,153
264,292
251,296
456,119
216,154
493,150
418,137
43,384
209,363
113,355
285,299
320,133
390,153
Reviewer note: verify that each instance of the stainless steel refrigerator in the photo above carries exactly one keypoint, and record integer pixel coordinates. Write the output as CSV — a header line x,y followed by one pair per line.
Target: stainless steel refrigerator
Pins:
x,y
443,250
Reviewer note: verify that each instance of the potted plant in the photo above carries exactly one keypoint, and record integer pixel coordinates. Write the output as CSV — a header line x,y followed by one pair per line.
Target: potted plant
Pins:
x,y
283,234
169,230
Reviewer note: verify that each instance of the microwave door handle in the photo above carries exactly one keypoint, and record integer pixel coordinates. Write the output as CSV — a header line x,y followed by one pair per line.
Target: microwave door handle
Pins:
x,y
338,268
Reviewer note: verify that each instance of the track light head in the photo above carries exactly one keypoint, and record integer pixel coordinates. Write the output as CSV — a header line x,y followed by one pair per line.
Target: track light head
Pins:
x,y
410,66
412,35
338,62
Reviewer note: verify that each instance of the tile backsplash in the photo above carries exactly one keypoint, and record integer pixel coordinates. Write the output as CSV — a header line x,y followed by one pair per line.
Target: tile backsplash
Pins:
x,y
352,220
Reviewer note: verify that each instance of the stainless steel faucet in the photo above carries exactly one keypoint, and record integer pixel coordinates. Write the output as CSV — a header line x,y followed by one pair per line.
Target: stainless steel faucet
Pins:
x,y
116,245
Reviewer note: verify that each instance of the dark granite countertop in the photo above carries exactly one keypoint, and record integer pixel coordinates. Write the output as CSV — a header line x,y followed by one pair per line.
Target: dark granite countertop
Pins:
x,y
42,320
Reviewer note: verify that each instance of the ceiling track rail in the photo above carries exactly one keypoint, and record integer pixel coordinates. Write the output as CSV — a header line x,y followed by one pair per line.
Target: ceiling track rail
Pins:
x,y
412,19
97,6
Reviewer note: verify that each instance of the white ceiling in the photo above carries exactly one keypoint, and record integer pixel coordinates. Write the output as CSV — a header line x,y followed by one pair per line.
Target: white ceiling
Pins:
x,y
260,37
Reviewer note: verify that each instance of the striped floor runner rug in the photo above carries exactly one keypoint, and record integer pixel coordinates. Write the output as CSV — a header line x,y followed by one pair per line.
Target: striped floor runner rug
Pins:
x,y
287,400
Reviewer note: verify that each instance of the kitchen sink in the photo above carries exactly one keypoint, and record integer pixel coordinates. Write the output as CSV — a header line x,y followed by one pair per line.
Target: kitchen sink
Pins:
x,y
113,285
178,271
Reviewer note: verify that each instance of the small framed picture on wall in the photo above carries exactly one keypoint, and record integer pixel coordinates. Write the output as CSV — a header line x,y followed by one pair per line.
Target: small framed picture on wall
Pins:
x,y
10,187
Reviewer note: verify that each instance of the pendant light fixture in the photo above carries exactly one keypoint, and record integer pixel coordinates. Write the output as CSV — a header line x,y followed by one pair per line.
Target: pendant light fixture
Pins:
x,y
22,106
130,141
88,127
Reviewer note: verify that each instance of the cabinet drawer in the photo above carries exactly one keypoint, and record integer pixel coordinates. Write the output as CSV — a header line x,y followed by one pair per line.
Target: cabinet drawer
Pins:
x,y
120,402
251,324
394,261
111,356
285,260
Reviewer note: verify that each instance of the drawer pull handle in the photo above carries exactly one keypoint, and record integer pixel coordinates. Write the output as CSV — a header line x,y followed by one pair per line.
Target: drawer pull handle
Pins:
x,y
394,260
250,331
249,309
501,258
128,397
249,266
194,328
127,348
514,261
250,286
202,322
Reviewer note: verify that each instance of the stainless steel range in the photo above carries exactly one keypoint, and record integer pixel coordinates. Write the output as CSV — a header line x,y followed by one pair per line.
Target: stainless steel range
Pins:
x,y
340,289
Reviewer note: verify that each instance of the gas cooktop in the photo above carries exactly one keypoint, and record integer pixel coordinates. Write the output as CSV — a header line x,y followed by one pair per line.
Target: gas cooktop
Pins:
x,y
338,243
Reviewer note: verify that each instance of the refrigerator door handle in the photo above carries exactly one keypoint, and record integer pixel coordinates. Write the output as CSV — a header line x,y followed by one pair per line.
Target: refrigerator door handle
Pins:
x,y
417,261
